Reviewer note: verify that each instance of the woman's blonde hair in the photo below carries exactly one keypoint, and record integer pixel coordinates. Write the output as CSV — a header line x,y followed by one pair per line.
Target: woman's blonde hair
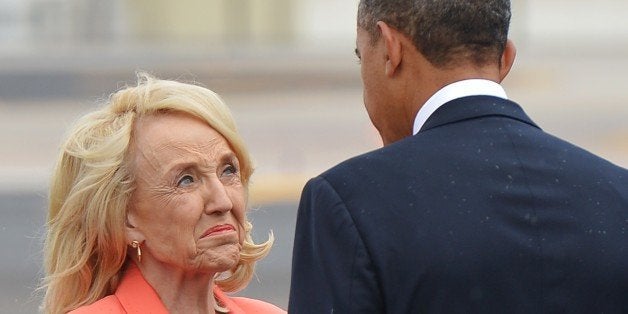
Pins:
x,y
85,249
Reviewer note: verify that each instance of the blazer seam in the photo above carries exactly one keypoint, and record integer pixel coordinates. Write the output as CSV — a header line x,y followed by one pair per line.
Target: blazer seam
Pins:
x,y
534,210
358,233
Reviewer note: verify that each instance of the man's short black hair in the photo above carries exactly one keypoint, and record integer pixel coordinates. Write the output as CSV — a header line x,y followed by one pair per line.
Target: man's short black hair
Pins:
x,y
446,32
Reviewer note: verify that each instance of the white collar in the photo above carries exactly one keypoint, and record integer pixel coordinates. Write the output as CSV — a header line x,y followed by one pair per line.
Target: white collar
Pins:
x,y
453,91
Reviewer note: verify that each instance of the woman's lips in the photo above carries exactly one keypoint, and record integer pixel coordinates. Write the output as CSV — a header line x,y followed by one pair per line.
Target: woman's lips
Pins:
x,y
218,230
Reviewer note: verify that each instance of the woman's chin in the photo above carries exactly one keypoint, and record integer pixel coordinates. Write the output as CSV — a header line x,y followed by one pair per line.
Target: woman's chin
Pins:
x,y
220,259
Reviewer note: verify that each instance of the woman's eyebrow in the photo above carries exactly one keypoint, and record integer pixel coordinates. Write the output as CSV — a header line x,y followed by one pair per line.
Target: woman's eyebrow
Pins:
x,y
228,156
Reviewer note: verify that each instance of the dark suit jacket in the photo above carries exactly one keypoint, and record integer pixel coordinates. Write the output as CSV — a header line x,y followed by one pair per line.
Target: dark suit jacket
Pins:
x,y
480,212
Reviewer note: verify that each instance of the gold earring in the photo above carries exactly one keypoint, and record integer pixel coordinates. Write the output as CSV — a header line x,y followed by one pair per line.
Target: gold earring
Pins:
x,y
136,245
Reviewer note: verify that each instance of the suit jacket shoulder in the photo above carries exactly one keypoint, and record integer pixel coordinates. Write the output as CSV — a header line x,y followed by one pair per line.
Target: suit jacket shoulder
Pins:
x,y
253,306
109,304
241,305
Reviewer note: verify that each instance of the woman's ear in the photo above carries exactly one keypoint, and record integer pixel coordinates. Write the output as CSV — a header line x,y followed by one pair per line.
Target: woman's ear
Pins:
x,y
133,233
507,59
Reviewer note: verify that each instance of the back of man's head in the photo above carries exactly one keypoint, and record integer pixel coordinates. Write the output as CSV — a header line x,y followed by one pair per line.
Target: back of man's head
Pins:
x,y
447,32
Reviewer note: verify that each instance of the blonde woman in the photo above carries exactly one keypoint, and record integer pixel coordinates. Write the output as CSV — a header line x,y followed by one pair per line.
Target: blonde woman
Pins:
x,y
147,208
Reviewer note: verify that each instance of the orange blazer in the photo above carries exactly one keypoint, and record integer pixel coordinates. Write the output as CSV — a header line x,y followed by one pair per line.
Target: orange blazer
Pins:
x,y
135,295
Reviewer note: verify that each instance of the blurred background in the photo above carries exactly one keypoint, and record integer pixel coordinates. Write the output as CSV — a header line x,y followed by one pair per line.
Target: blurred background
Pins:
x,y
287,70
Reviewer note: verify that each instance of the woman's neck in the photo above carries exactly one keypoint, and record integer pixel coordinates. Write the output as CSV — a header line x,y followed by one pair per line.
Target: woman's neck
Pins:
x,y
180,291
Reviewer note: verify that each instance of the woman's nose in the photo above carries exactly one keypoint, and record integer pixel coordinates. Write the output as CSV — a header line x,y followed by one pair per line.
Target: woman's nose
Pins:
x,y
217,199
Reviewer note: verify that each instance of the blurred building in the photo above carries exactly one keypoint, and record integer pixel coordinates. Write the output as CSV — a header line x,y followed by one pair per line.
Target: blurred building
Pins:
x,y
28,23
214,23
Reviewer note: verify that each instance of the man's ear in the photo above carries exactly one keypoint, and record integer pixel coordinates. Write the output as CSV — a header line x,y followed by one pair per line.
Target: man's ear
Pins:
x,y
507,59
392,44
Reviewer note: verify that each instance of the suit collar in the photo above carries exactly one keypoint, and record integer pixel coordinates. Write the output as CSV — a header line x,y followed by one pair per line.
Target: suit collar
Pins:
x,y
472,107
464,88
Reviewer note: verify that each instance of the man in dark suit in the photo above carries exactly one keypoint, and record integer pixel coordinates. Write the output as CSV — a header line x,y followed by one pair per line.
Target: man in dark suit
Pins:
x,y
470,207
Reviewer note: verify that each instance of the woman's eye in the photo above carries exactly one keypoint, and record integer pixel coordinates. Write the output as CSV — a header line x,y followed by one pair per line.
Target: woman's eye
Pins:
x,y
186,180
230,170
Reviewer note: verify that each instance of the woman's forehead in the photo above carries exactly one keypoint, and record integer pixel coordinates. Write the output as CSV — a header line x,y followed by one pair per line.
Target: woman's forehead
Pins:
x,y
167,137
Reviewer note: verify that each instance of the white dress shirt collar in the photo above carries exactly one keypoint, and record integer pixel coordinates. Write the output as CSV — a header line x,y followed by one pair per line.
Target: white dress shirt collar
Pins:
x,y
473,87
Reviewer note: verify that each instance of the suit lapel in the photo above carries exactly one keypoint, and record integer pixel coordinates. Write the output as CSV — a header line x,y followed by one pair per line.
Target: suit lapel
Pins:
x,y
474,107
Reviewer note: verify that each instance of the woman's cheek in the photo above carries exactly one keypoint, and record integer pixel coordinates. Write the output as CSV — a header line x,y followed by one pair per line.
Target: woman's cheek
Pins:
x,y
241,234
